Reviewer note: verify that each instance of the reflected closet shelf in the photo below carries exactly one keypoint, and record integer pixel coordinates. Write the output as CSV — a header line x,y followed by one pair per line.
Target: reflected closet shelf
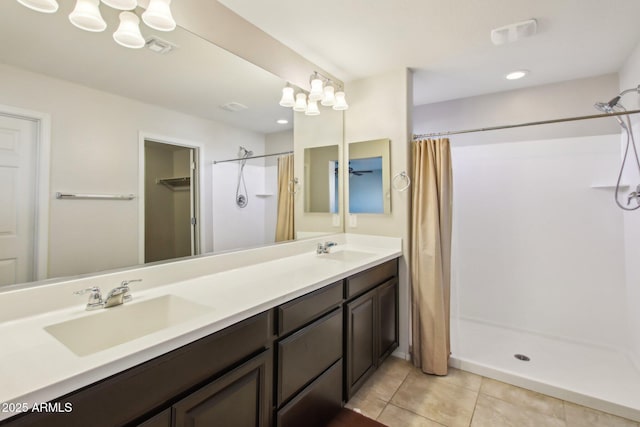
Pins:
x,y
176,184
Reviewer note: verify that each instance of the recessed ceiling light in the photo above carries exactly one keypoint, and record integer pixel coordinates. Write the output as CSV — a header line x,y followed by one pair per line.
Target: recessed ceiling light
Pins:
x,y
282,121
515,75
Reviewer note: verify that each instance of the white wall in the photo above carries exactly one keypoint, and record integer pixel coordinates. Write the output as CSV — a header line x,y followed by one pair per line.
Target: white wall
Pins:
x,y
629,78
380,107
553,101
535,247
94,149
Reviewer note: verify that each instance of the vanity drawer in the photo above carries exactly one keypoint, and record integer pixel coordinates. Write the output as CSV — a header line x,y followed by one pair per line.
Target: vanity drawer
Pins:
x,y
303,310
365,280
317,404
307,353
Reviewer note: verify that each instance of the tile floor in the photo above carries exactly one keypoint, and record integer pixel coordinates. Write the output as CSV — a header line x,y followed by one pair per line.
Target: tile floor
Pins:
x,y
399,395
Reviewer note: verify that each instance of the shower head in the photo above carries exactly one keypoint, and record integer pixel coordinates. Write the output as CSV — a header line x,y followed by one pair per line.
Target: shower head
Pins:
x,y
607,107
245,153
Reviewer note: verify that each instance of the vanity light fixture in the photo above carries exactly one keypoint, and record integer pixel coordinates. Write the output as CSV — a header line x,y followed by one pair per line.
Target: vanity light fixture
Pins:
x,y
328,96
312,108
158,15
515,75
44,6
301,102
86,16
316,88
341,102
322,90
128,32
287,99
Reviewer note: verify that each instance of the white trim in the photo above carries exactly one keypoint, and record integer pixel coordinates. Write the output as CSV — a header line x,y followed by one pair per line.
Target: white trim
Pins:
x,y
43,165
142,136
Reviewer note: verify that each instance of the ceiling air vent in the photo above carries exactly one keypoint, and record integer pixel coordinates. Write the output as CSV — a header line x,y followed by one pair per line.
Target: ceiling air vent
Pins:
x,y
157,45
233,107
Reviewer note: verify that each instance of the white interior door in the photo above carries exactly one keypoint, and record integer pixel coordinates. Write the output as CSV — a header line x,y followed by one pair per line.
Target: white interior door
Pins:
x,y
18,140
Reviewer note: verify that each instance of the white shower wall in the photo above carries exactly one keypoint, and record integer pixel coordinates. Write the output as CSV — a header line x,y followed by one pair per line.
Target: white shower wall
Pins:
x,y
536,247
235,227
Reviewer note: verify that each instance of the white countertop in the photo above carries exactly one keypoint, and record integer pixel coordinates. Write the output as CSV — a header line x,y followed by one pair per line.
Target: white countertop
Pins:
x,y
35,367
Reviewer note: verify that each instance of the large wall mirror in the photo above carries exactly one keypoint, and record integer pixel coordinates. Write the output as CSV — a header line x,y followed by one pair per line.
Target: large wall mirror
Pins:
x,y
102,110
369,177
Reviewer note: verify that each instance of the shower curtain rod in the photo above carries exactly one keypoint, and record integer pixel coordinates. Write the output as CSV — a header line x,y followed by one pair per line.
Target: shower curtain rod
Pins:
x,y
543,122
252,157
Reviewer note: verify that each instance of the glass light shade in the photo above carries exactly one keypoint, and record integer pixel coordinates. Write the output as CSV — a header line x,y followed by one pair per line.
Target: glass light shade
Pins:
x,y
128,32
287,97
328,97
341,102
316,90
158,15
301,102
312,109
121,4
44,6
86,16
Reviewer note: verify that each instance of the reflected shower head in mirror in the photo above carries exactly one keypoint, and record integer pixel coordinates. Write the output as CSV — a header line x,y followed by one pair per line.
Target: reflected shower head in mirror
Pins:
x,y
609,107
244,153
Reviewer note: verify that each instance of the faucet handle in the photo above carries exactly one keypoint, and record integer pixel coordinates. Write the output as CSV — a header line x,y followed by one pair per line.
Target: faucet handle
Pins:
x,y
95,299
125,284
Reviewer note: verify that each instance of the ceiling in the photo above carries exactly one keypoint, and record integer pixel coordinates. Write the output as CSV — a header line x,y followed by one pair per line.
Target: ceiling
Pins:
x,y
196,78
447,43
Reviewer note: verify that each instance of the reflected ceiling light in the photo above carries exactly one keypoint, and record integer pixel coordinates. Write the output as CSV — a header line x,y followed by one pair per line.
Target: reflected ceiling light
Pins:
x,y
316,88
282,121
121,4
312,109
86,16
341,102
301,102
158,16
328,96
128,32
287,99
515,75
44,6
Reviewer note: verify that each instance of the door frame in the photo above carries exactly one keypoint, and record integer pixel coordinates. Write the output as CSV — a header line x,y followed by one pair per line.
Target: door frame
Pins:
x,y
42,175
163,139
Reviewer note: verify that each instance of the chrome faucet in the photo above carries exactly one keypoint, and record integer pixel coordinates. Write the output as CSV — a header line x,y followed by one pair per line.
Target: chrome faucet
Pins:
x,y
116,296
323,248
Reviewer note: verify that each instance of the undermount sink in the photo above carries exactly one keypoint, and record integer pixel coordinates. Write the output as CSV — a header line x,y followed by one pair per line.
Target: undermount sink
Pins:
x,y
117,325
346,255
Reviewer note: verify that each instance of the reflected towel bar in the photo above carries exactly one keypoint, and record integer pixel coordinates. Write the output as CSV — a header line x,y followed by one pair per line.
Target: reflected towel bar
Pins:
x,y
95,196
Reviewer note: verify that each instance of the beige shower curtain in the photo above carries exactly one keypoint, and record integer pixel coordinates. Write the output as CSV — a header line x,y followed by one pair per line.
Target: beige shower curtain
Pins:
x,y
284,224
431,254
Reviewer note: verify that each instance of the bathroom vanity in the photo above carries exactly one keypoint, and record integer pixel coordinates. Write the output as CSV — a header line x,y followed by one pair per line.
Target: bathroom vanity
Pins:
x,y
288,362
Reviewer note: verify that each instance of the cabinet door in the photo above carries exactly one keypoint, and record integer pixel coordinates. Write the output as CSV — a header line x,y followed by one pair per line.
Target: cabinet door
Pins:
x,y
241,398
361,341
387,318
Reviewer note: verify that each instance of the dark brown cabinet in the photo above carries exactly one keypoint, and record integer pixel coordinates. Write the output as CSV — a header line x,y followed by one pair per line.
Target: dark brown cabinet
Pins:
x,y
371,323
240,398
291,366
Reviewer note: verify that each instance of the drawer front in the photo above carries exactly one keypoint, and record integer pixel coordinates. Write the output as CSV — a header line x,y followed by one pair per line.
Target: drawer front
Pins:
x,y
317,404
365,280
307,353
303,310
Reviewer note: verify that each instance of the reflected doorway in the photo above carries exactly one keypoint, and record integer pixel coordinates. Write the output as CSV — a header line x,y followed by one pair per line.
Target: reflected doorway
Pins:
x,y
171,225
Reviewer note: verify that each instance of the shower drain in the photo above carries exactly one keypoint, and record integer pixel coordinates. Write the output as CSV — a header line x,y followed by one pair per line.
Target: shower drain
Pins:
x,y
522,357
